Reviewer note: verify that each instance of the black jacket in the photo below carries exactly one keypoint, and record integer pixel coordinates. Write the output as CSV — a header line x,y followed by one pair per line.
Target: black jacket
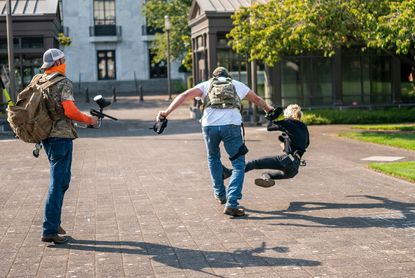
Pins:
x,y
295,135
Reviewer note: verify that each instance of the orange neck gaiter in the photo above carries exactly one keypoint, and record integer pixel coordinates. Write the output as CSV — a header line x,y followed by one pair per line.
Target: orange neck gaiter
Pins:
x,y
61,69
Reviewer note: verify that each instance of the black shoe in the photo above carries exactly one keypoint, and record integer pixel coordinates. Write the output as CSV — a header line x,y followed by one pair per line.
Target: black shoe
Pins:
x,y
222,201
61,231
265,181
234,211
54,238
226,173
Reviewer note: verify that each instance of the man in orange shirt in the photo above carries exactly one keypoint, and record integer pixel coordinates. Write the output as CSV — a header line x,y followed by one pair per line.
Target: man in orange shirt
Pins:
x,y
58,146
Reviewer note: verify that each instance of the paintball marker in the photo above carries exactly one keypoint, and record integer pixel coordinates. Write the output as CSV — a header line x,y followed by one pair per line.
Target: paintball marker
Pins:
x,y
102,103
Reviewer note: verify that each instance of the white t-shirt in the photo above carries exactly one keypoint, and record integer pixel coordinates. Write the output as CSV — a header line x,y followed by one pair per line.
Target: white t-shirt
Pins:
x,y
228,116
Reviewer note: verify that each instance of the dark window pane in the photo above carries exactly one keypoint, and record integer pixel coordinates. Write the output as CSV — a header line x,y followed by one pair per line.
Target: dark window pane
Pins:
x,y
157,70
32,42
3,44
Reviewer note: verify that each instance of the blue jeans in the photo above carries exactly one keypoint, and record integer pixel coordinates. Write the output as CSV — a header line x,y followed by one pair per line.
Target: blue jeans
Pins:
x,y
59,152
232,140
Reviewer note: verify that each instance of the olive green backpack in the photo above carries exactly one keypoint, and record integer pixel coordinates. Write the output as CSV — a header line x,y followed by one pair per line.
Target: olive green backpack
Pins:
x,y
29,117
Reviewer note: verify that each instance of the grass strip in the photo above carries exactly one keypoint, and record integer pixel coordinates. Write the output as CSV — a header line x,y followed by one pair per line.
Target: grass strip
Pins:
x,y
400,127
405,141
405,170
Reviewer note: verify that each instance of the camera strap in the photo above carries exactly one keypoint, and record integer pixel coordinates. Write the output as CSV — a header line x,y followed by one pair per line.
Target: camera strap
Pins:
x,y
243,133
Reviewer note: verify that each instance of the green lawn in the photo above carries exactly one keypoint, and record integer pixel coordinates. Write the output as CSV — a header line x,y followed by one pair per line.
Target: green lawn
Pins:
x,y
390,135
400,140
398,127
405,170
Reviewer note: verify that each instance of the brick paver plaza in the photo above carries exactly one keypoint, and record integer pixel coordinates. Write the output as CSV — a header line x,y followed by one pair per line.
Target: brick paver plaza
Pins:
x,y
141,205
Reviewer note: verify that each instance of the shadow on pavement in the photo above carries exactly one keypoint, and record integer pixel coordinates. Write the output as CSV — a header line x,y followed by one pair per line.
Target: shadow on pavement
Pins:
x,y
183,258
380,220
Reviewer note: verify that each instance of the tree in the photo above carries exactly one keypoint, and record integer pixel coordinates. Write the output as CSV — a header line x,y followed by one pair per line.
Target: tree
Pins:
x,y
266,32
180,41
64,40
394,31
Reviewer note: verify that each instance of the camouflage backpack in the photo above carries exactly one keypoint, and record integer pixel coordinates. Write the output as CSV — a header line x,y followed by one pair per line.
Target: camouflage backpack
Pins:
x,y
222,94
29,117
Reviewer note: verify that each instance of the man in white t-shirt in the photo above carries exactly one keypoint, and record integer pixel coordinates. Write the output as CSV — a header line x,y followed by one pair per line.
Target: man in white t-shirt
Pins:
x,y
221,122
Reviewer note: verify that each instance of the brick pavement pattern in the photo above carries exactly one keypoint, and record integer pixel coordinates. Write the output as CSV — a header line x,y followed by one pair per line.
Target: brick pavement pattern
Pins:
x,y
141,205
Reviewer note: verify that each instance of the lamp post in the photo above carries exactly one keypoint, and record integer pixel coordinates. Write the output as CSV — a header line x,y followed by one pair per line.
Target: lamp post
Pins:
x,y
167,26
10,51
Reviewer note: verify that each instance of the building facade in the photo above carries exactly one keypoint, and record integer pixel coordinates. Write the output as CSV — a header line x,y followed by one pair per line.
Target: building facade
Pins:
x,y
36,25
350,78
110,47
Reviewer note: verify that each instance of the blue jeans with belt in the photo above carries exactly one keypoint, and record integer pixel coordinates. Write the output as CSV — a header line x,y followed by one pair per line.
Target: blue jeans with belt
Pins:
x,y
231,137
59,152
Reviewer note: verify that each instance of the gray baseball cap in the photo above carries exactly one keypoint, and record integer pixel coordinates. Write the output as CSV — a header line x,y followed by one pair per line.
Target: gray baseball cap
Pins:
x,y
51,56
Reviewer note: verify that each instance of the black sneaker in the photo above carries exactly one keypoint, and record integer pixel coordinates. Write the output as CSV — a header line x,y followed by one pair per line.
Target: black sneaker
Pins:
x,y
226,172
265,181
236,212
54,238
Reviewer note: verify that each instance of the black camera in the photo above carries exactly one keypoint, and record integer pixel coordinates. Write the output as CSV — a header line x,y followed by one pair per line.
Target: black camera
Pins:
x,y
274,114
243,150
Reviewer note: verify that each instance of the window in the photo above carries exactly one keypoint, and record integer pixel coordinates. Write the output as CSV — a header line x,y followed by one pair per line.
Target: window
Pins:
x,y
3,43
157,70
104,12
366,77
32,42
106,65
306,80
104,18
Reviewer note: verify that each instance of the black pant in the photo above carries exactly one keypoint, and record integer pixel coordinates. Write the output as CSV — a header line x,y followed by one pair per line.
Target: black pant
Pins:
x,y
286,168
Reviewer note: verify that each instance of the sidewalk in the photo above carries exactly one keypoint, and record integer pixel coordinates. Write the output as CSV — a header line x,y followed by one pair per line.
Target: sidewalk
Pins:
x,y
141,205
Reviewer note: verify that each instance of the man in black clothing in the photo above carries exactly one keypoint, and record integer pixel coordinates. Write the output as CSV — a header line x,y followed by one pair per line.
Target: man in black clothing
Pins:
x,y
295,139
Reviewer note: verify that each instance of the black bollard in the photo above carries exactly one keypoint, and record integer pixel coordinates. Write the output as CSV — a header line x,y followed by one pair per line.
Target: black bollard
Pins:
x,y
140,88
114,95
86,95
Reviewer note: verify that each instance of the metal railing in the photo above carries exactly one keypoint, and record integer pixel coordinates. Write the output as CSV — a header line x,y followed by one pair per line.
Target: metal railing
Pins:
x,y
104,30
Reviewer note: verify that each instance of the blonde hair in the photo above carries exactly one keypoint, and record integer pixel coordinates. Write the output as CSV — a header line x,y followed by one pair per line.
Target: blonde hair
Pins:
x,y
293,111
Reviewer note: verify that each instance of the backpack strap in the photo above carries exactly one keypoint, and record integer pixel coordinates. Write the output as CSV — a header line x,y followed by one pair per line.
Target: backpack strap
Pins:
x,y
206,101
51,82
35,80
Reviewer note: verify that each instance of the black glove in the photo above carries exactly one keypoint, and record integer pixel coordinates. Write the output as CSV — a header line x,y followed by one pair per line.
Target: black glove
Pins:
x,y
159,126
274,113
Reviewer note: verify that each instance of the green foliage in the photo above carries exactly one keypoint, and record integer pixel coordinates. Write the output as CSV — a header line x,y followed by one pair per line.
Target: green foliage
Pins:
x,y
359,116
405,170
266,32
394,28
180,42
64,40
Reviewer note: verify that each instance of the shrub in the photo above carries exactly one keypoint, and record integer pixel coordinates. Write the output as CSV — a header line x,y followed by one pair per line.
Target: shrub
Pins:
x,y
360,116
